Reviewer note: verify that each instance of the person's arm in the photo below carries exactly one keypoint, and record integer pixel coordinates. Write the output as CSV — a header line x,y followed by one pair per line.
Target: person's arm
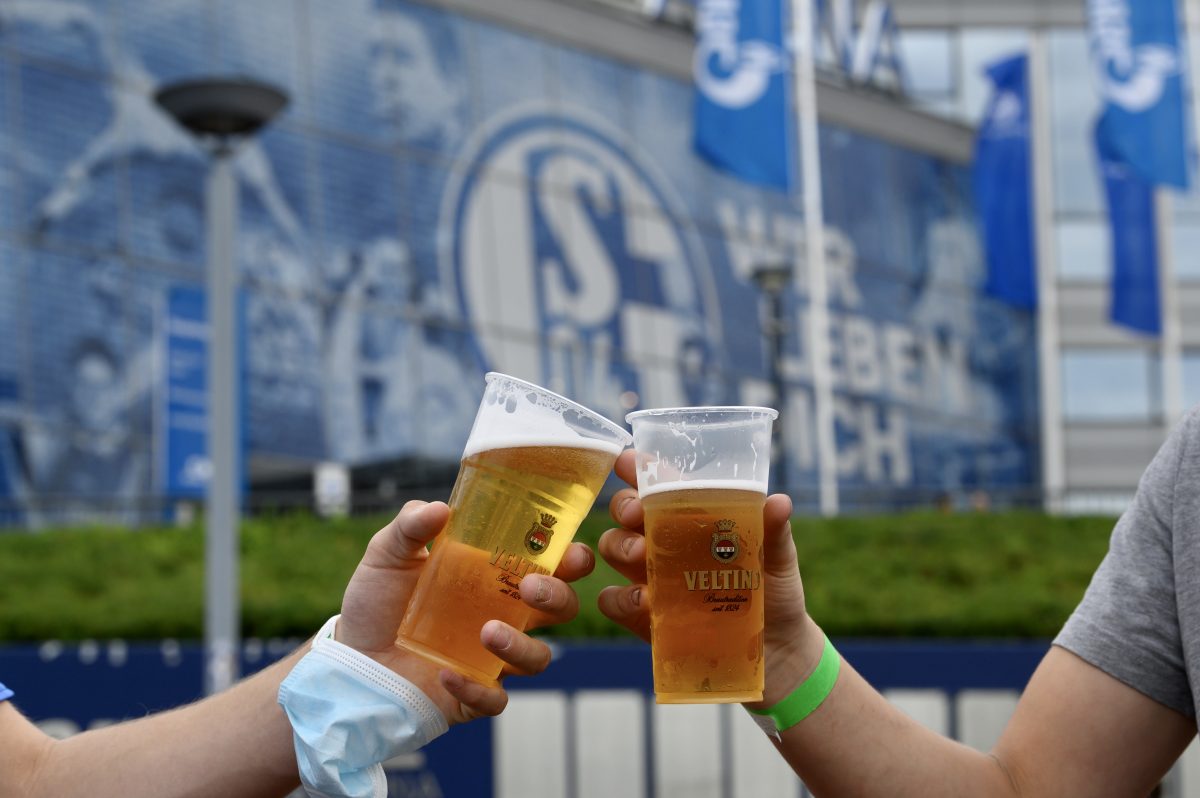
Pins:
x,y
239,743
236,743
1076,731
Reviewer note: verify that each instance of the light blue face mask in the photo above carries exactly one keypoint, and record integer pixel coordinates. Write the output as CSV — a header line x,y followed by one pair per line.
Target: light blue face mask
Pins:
x,y
349,714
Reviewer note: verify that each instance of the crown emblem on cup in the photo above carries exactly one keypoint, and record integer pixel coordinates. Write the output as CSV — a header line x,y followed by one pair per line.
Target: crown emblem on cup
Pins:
x,y
725,543
539,534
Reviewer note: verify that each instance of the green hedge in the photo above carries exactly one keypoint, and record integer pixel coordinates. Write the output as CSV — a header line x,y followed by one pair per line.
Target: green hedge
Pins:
x,y
929,575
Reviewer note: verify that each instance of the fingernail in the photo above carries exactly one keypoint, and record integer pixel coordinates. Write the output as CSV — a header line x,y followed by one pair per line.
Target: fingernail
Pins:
x,y
501,639
627,545
542,596
621,507
635,596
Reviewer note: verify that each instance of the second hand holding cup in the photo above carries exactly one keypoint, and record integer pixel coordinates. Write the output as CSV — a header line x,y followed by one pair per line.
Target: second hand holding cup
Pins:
x,y
532,468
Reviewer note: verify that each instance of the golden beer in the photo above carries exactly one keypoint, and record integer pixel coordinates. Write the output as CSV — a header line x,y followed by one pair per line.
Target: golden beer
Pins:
x,y
513,511
704,558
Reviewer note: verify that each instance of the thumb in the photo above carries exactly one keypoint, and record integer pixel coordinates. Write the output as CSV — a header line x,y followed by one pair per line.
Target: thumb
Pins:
x,y
778,546
403,541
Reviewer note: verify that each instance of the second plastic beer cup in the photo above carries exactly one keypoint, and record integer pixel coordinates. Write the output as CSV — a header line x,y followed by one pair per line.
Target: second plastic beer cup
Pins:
x,y
702,478
531,470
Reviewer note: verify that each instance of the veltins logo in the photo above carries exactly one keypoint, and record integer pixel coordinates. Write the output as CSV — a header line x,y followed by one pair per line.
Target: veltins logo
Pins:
x,y
572,260
727,70
1132,78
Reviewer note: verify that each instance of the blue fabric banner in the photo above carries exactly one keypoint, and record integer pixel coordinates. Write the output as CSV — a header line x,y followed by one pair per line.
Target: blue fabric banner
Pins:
x,y
1135,294
186,466
1141,141
1136,49
1002,187
740,67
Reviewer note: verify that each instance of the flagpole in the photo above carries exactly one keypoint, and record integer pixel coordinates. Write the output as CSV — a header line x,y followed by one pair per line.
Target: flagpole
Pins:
x,y
1174,404
1171,340
805,87
1049,372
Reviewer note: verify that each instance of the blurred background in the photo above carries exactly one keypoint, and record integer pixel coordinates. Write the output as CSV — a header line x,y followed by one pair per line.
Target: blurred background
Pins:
x,y
462,186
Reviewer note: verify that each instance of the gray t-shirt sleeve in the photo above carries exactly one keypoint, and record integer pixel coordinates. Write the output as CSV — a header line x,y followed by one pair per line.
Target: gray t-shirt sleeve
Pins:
x,y
1128,624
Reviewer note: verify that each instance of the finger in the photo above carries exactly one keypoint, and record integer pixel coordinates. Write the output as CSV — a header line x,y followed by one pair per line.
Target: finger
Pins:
x,y
553,599
477,700
625,551
626,467
577,562
626,509
779,547
403,541
628,607
521,653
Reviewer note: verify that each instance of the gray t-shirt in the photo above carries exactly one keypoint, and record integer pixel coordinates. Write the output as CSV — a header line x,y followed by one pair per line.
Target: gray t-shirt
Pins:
x,y
1140,618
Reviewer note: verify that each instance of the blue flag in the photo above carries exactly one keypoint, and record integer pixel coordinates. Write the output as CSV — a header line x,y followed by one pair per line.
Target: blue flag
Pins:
x,y
1135,294
1002,185
1135,46
740,68
1141,141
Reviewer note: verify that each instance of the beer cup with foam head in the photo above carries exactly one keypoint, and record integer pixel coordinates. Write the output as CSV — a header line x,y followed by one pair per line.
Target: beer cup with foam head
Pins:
x,y
530,472
702,478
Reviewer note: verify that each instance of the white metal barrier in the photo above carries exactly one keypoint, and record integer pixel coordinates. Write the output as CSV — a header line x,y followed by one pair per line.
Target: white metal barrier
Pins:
x,y
604,743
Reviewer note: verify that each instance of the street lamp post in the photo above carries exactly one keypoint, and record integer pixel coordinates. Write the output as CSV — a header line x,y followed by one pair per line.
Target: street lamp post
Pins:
x,y
222,113
772,281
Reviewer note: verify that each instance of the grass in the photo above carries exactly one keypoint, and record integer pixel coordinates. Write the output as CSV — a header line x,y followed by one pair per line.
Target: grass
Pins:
x,y
1011,575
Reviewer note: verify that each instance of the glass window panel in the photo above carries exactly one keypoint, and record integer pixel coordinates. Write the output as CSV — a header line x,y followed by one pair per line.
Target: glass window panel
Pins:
x,y
1185,248
928,62
1109,385
1074,106
1191,378
981,48
1186,203
1083,249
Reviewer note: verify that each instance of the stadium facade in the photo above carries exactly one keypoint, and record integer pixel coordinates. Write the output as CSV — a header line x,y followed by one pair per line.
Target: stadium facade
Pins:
x,y
1118,392
482,185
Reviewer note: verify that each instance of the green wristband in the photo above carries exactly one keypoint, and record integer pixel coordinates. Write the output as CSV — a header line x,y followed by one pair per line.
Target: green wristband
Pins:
x,y
807,696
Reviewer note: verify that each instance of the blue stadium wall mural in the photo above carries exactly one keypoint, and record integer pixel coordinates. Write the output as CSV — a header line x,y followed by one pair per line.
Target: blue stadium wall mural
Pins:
x,y
444,197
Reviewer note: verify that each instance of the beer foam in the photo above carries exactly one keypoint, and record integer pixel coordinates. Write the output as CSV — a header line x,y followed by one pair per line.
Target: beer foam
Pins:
x,y
484,443
514,413
703,484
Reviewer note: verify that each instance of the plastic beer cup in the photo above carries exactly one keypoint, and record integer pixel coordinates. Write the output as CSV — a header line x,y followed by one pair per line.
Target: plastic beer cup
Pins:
x,y
530,472
702,478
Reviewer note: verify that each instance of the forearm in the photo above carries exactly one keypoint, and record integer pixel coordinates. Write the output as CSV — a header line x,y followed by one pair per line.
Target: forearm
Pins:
x,y
237,743
856,745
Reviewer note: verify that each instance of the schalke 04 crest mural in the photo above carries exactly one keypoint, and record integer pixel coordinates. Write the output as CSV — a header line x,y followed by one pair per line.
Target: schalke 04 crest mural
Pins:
x,y
445,197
